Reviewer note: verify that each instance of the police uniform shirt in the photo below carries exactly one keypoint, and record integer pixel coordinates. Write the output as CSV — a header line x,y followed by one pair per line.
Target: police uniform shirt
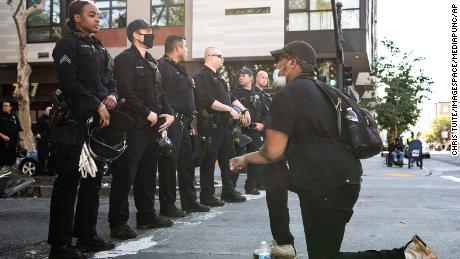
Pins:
x,y
84,69
210,87
10,126
138,82
254,102
318,163
177,86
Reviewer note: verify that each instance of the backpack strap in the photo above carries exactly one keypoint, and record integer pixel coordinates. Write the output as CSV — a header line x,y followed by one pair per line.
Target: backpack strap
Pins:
x,y
337,104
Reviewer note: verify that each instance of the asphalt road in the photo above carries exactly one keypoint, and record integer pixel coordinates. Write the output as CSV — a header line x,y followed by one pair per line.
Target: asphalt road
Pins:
x,y
447,158
394,204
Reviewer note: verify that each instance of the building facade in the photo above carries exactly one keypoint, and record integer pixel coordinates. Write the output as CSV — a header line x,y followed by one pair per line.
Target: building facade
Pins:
x,y
244,30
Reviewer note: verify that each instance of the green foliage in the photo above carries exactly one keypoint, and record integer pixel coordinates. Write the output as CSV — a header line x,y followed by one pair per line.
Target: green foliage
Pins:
x,y
438,125
404,87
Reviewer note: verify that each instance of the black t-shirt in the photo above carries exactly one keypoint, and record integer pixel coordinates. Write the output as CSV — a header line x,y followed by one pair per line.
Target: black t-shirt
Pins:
x,y
319,163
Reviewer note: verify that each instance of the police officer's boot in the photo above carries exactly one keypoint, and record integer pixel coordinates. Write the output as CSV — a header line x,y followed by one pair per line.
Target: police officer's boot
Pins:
x,y
66,252
232,197
94,244
211,201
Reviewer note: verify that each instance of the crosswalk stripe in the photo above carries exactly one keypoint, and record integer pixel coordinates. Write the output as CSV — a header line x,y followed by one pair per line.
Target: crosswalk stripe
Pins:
x,y
452,178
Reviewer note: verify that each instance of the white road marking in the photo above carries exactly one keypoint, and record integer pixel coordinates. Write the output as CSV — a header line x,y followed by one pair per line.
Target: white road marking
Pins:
x,y
452,178
128,248
135,246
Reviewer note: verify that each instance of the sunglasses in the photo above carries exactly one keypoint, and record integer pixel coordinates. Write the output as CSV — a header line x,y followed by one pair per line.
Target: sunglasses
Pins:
x,y
216,55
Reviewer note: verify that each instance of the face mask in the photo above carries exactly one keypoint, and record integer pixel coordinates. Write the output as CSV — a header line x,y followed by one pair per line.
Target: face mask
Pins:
x,y
281,80
277,79
148,40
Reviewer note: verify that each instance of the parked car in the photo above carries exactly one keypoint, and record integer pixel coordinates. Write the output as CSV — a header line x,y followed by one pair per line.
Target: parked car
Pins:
x,y
27,162
425,150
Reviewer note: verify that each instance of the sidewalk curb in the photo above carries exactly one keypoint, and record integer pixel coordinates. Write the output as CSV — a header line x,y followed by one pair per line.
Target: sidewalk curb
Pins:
x,y
44,191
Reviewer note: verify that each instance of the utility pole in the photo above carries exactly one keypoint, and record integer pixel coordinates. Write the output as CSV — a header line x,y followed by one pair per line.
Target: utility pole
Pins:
x,y
337,16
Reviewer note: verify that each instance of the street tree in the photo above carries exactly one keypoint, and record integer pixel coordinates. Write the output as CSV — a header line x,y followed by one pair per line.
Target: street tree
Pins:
x,y
405,88
438,125
20,15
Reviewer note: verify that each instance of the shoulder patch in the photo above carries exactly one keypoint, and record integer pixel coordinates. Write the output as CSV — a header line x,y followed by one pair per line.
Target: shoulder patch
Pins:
x,y
65,59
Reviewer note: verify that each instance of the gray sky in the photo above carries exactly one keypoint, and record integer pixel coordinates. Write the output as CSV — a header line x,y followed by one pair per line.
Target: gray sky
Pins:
x,y
423,27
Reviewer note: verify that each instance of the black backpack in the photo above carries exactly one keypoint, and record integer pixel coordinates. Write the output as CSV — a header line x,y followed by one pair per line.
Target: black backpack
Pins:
x,y
363,138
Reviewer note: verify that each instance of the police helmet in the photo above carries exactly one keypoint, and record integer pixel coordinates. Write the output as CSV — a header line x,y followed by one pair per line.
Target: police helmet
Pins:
x,y
106,144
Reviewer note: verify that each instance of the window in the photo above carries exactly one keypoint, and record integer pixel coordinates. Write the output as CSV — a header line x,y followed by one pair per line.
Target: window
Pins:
x,y
113,13
304,15
168,12
44,26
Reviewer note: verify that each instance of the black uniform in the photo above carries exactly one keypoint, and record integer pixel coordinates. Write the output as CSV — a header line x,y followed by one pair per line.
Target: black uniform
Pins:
x,y
326,176
9,125
43,143
214,125
178,87
84,71
253,100
139,83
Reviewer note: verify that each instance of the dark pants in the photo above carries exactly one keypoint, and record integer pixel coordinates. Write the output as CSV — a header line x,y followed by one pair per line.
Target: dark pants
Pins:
x,y
221,148
63,223
324,221
276,182
43,152
253,170
8,152
136,167
181,160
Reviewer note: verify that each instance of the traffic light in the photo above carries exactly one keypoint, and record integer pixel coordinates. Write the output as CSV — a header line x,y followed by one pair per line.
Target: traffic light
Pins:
x,y
333,75
347,76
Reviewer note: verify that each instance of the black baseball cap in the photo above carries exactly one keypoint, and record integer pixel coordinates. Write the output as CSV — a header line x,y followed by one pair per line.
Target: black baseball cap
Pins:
x,y
137,25
299,49
246,70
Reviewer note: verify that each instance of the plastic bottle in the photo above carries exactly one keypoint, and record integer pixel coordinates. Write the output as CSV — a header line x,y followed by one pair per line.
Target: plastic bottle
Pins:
x,y
351,115
355,131
264,251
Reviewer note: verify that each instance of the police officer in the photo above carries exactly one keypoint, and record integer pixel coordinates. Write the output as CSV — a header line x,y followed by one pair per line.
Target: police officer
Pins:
x,y
9,135
214,106
42,133
326,176
138,81
261,85
178,87
247,94
83,68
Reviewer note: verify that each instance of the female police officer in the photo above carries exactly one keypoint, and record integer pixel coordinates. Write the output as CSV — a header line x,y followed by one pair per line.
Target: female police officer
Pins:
x,y
326,176
84,72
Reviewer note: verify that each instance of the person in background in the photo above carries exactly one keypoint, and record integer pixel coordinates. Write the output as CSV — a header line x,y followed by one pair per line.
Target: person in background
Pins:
x,y
9,135
253,99
42,134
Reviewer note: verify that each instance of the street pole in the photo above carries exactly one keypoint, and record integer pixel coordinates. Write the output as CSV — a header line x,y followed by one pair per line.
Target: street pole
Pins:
x,y
337,17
